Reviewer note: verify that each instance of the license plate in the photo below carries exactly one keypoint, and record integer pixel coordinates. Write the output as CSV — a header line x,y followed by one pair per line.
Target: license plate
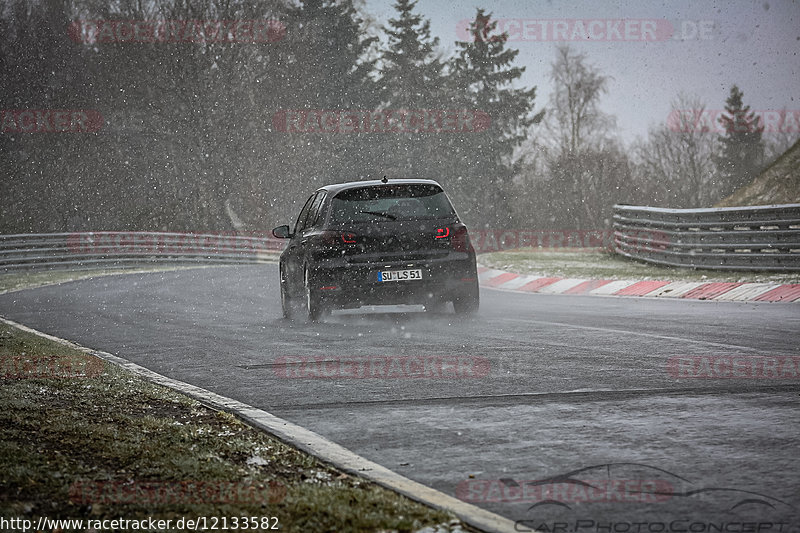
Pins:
x,y
400,275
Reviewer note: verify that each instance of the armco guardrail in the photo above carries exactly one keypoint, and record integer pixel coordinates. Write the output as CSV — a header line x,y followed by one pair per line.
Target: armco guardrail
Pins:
x,y
112,248
729,238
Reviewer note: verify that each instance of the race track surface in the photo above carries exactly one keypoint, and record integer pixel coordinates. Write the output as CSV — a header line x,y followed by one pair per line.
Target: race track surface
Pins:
x,y
534,387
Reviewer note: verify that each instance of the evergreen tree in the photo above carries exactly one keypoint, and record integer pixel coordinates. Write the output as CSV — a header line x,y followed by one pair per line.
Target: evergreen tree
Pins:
x,y
411,71
410,79
326,63
482,77
741,155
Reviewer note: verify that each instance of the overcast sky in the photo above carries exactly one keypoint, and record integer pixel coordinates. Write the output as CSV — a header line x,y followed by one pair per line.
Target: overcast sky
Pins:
x,y
700,47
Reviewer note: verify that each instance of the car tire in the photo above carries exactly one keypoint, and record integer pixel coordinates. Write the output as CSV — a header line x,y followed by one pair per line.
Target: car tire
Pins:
x,y
288,304
468,303
315,309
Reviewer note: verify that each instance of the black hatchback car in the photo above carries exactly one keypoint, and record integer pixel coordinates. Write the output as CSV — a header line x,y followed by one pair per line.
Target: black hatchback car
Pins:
x,y
377,243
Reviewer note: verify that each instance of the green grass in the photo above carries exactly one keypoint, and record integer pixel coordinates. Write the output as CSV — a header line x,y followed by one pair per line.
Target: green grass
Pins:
x,y
61,436
28,279
605,265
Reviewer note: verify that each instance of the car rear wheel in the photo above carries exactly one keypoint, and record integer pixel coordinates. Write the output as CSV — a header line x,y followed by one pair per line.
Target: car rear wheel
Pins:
x,y
315,309
288,304
467,303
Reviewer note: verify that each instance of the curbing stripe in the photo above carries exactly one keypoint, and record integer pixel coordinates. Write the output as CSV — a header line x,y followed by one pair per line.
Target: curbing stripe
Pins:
x,y
641,288
561,286
488,274
690,290
499,280
610,288
676,289
587,286
516,283
308,441
536,284
746,292
710,291
783,293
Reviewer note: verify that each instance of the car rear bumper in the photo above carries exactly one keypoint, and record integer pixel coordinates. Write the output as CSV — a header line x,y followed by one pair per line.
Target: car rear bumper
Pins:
x,y
343,284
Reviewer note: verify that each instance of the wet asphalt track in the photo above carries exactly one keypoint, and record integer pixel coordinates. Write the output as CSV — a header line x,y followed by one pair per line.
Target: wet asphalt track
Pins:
x,y
564,383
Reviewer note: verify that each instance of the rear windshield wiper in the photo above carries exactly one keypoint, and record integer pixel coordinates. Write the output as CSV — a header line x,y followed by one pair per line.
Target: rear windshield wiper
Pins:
x,y
380,214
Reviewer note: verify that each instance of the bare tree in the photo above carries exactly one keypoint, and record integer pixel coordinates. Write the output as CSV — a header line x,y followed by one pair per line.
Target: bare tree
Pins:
x,y
675,166
573,116
577,170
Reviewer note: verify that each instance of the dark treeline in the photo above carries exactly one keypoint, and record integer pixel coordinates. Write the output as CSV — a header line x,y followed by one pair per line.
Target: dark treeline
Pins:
x,y
189,142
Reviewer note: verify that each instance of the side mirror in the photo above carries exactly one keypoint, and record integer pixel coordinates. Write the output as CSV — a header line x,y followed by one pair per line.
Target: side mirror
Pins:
x,y
282,232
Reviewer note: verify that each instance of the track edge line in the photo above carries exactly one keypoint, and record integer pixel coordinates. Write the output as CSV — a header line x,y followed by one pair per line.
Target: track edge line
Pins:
x,y
306,440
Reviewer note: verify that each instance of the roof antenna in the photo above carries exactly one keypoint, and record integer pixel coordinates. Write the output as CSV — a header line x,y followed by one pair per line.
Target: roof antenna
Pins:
x,y
385,179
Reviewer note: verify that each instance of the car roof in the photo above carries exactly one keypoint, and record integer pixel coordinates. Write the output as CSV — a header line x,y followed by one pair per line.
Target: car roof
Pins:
x,y
336,188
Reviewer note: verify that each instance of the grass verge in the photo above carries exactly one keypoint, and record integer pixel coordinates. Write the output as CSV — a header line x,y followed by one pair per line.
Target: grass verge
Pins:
x,y
29,279
606,265
81,438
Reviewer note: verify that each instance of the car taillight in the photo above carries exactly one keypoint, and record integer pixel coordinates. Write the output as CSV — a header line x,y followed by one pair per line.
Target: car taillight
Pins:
x,y
441,233
336,238
460,240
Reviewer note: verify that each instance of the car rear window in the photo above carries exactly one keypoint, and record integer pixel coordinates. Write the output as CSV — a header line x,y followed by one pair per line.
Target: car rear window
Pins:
x,y
390,202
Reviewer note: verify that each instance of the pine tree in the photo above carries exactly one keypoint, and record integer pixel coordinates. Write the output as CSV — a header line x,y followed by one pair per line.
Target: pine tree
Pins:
x,y
410,79
411,71
742,148
328,64
482,77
